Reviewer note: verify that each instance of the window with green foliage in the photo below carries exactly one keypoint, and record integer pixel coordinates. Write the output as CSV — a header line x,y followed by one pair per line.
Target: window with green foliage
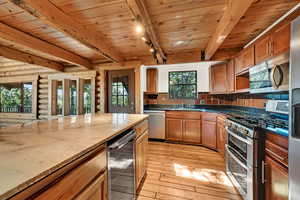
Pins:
x,y
16,97
183,85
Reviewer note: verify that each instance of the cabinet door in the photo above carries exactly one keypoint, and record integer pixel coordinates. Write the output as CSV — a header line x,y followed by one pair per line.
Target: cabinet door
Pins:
x,y
221,139
209,134
174,129
248,57
281,40
262,49
218,78
276,186
192,131
96,190
152,80
230,76
141,147
238,61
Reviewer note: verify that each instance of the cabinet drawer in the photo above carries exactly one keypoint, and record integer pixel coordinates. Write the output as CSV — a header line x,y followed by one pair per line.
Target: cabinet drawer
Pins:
x,y
141,128
277,152
70,185
97,190
209,116
183,115
277,147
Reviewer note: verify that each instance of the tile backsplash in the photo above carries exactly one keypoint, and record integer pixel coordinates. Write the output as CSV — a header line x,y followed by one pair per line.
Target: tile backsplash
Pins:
x,y
248,100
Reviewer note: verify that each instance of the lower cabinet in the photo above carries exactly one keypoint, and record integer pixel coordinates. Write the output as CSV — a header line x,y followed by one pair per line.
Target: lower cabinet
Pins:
x,y
209,136
141,148
174,128
276,186
191,131
96,190
276,167
87,180
221,136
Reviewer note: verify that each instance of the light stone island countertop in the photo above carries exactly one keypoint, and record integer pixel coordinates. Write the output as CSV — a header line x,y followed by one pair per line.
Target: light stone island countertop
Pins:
x,y
30,152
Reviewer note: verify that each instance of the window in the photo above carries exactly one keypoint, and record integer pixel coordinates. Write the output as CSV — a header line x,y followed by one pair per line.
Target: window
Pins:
x,y
183,85
72,93
119,93
16,97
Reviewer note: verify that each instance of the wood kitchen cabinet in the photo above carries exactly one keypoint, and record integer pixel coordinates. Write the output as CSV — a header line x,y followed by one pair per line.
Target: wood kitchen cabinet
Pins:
x,y
192,131
276,167
141,146
218,78
96,190
248,57
174,129
245,59
281,40
209,130
262,49
273,44
151,80
276,185
183,126
230,76
89,179
221,135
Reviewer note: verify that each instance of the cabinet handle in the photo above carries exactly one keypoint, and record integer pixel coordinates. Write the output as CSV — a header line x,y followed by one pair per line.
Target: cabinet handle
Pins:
x,y
276,156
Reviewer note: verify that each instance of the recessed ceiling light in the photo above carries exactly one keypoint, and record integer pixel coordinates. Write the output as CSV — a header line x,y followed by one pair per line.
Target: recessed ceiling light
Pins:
x,y
152,50
139,28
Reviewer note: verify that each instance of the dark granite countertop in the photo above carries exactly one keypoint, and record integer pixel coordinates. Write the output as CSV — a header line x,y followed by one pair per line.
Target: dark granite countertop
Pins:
x,y
230,111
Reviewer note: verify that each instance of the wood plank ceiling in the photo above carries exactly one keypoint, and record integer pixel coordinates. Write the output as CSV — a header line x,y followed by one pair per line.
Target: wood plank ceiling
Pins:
x,y
178,26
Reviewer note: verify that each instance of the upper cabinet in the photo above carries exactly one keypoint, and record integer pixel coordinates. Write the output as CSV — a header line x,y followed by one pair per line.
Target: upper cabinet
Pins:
x,y
218,78
244,60
152,80
230,76
262,49
281,40
273,44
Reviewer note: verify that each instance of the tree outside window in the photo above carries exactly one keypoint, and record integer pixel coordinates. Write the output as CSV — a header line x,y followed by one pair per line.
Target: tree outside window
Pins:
x,y
183,85
16,97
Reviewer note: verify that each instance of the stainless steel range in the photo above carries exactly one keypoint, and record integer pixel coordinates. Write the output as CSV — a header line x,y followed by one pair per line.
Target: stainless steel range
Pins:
x,y
244,155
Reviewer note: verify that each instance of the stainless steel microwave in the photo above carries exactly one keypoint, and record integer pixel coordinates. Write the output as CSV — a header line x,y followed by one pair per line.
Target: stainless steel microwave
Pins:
x,y
271,75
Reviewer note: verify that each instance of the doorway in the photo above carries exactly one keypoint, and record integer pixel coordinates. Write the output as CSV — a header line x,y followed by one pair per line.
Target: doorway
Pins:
x,y
121,91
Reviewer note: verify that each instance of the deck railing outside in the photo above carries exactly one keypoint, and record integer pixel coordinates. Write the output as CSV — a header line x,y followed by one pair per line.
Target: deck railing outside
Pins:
x,y
15,109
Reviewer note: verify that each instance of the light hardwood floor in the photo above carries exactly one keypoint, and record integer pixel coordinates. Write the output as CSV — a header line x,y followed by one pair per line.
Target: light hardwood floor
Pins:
x,y
184,172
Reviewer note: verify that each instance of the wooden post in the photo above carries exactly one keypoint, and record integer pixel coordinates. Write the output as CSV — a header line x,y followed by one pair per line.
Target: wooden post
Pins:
x,y
80,96
53,97
66,96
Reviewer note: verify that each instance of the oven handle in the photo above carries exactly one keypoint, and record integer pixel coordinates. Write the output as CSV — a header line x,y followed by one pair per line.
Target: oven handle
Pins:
x,y
235,158
238,137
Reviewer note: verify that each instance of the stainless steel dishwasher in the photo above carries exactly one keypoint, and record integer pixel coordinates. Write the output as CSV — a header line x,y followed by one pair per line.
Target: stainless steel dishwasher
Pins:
x,y
121,167
156,124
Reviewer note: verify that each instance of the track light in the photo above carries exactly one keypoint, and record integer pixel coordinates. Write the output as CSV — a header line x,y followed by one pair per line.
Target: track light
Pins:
x,y
152,50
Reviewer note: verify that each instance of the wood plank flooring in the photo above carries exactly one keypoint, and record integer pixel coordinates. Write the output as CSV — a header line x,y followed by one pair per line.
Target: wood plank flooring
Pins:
x,y
184,172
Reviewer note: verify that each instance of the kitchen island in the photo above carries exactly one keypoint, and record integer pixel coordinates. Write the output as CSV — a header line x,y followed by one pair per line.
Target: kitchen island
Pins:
x,y
35,154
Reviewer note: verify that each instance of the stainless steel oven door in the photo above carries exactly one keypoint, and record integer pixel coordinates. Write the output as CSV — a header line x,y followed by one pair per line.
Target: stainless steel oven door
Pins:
x,y
239,173
242,145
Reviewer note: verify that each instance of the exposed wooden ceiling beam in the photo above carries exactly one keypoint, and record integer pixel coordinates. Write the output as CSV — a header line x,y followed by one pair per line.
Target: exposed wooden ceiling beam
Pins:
x,y
53,16
232,15
140,11
30,59
39,47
